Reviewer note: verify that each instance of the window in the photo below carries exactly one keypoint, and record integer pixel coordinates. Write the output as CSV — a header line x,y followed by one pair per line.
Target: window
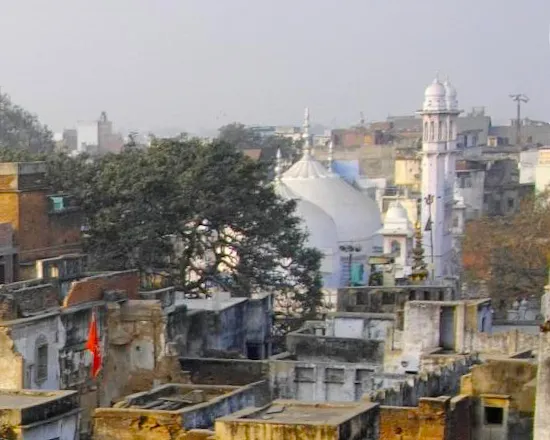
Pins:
x,y
494,415
305,374
41,359
511,203
395,248
432,130
334,375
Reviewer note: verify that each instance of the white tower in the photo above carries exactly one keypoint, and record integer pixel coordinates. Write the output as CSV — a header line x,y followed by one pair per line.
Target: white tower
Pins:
x,y
439,114
397,235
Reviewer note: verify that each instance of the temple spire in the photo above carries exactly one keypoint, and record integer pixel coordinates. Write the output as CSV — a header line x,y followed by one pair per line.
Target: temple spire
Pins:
x,y
419,270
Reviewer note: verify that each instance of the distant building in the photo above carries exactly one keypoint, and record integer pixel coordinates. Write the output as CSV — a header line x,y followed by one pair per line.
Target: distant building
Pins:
x,y
97,137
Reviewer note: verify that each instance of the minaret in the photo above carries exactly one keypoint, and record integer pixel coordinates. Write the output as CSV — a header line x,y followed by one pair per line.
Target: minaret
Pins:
x,y
439,114
306,135
278,165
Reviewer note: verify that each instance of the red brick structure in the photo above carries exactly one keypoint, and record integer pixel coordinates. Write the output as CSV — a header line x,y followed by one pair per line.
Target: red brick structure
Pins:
x,y
44,225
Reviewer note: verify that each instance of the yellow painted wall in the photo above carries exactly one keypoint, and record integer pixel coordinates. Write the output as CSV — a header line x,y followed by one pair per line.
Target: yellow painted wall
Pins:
x,y
270,431
407,172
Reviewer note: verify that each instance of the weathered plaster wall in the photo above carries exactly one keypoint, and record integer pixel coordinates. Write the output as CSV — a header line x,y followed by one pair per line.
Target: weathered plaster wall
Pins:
x,y
18,344
12,363
506,343
139,350
421,326
326,348
431,420
136,423
440,382
64,428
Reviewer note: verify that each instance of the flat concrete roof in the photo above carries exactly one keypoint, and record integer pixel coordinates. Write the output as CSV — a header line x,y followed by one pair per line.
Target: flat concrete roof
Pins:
x,y
210,303
18,399
292,412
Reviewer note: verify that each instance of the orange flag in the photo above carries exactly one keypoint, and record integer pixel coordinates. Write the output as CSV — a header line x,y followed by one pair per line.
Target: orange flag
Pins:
x,y
93,346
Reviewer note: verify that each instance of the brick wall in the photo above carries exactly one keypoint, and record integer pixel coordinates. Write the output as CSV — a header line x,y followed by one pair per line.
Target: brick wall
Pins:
x,y
92,288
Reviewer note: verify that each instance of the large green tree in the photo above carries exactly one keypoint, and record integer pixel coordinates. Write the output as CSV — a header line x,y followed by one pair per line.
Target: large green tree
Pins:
x,y
205,212
21,130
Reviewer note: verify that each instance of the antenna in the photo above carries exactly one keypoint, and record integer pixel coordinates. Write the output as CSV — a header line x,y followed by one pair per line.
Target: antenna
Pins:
x,y
519,98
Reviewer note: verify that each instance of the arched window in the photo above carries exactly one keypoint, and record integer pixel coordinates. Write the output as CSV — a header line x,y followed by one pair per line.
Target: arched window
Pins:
x,y
426,137
432,130
451,130
41,359
440,131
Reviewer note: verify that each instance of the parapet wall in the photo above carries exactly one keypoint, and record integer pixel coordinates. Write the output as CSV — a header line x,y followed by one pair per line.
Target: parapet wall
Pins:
x,y
505,343
442,381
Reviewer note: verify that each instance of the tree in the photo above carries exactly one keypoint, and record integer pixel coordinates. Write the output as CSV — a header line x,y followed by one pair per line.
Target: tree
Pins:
x,y
510,253
19,129
205,212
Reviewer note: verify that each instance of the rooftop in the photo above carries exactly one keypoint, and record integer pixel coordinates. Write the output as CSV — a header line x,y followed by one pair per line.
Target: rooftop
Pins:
x,y
294,412
212,304
19,399
173,397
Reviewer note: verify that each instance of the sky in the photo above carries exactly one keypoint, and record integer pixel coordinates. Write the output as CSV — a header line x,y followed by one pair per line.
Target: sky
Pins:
x,y
199,64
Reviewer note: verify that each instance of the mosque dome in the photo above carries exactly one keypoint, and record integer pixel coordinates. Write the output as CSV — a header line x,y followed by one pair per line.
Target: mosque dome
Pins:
x,y
319,225
435,97
357,217
321,229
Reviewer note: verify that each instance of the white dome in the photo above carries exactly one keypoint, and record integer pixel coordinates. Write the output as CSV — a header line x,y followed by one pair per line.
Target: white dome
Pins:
x,y
396,221
435,97
396,212
319,225
450,96
357,217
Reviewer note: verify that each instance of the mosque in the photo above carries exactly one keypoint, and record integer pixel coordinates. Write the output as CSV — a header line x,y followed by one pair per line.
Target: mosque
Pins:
x,y
346,225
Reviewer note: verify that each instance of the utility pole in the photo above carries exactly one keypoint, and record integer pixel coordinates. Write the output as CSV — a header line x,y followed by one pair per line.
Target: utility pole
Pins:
x,y
519,98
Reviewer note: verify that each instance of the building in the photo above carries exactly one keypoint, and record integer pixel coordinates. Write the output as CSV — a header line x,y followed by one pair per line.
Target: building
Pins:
x,y
503,398
291,420
34,415
542,170
174,410
439,114
97,137
434,418
44,225
356,216
320,227
225,325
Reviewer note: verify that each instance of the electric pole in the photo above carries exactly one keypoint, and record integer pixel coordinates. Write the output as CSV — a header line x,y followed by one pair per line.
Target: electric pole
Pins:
x,y
519,98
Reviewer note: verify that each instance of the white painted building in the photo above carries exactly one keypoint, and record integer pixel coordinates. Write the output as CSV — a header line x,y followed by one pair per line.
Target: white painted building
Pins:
x,y
439,114
542,171
397,236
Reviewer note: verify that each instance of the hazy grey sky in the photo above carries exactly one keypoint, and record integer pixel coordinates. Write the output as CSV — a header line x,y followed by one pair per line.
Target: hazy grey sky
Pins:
x,y
200,63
